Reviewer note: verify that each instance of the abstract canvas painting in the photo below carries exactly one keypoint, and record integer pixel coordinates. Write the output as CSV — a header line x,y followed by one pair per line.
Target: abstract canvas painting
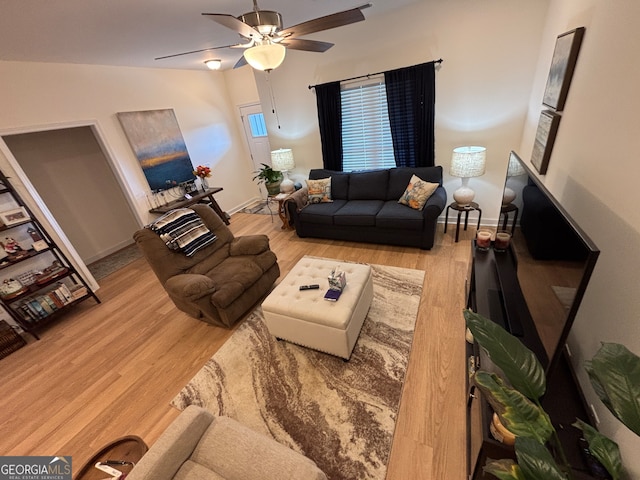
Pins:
x,y
157,142
563,64
545,136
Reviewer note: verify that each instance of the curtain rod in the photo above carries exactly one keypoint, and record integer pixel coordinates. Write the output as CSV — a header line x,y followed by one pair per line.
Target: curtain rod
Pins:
x,y
368,75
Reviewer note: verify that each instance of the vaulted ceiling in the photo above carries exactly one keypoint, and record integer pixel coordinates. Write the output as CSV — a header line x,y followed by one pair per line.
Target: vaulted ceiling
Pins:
x,y
135,32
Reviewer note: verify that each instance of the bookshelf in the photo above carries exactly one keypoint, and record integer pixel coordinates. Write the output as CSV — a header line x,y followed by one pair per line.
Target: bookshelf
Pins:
x,y
37,282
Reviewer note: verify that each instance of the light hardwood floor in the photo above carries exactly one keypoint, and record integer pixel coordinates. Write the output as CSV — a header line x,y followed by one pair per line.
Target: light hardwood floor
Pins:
x,y
104,371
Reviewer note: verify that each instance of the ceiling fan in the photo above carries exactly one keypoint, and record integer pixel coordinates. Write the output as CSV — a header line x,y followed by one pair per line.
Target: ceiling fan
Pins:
x,y
266,41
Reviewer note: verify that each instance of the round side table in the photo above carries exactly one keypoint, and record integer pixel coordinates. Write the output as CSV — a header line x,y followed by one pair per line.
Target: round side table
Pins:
x,y
128,450
473,206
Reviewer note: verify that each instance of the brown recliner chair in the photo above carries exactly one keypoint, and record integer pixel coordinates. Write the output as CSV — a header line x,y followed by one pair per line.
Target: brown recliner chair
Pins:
x,y
221,282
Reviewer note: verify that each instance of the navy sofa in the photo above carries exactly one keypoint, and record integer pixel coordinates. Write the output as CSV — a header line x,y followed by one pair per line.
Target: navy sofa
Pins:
x,y
365,208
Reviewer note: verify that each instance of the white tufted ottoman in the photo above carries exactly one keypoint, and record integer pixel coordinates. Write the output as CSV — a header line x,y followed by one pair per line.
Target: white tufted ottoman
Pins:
x,y
306,318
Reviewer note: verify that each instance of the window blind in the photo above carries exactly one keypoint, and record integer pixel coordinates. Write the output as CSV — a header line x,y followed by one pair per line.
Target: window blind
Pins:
x,y
366,135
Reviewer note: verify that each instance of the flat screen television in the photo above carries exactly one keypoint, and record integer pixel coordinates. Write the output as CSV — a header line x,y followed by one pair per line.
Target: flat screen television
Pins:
x,y
554,256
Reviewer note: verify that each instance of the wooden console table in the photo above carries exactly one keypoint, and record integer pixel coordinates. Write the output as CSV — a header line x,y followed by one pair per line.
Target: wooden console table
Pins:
x,y
195,198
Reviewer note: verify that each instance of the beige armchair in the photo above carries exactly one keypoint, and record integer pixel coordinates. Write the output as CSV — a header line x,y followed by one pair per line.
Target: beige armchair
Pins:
x,y
198,445
220,283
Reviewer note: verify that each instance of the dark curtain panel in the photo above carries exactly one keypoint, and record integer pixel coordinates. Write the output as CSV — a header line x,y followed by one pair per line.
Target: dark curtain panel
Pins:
x,y
330,120
411,96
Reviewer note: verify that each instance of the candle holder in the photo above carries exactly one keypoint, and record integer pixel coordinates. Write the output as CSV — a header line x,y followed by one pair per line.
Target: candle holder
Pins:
x,y
503,239
483,240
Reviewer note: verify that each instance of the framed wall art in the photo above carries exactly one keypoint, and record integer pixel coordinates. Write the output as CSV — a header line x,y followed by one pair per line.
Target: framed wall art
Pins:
x,y
563,63
156,140
14,216
545,136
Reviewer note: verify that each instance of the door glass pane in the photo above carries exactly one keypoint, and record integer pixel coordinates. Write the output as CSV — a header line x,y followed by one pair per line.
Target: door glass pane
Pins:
x,y
258,127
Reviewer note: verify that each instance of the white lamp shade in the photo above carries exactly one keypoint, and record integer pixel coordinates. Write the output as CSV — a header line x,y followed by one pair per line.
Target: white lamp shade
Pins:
x,y
468,162
515,167
282,159
265,57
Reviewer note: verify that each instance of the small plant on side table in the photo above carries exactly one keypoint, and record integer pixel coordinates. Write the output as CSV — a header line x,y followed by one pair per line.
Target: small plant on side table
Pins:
x,y
270,177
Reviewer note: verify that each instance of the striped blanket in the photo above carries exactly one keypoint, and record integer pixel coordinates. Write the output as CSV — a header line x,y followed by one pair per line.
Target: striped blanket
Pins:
x,y
182,230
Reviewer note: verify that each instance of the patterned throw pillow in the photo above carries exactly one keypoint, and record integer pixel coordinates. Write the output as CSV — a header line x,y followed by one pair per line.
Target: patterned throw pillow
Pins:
x,y
417,193
319,190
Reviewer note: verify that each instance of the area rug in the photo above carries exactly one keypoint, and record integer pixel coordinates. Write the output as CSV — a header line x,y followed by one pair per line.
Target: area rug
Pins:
x,y
340,414
262,209
111,263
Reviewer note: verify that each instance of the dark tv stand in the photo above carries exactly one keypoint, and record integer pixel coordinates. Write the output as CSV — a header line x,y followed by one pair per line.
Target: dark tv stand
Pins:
x,y
494,292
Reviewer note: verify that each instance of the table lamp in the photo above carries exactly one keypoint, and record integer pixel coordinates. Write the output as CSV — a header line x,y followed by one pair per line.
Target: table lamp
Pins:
x,y
513,170
282,160
467,162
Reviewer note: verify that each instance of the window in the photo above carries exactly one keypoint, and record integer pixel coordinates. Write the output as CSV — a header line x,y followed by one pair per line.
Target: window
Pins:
x,y
258,127
366,136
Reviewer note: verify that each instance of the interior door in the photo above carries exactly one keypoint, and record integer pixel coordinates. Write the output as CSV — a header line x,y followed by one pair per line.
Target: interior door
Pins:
x,y
255,131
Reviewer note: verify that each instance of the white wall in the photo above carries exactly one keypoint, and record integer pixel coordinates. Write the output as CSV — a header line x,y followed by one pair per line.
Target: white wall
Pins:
x,y
39,96
490,52
70,172
593,171
43,95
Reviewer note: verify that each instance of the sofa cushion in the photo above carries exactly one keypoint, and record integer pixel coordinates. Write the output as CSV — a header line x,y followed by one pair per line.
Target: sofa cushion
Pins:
x,y
236,452
319,191
339,182
231,279
321,213
358,212
191,470
369,185
417,193
397,216
399,178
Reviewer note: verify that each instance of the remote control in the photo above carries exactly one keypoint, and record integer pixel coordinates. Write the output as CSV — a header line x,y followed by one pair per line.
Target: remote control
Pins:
x,y
309,287
107,469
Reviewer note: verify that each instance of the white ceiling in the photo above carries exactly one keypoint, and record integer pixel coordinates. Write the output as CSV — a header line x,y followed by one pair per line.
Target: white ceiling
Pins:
x,y
134,32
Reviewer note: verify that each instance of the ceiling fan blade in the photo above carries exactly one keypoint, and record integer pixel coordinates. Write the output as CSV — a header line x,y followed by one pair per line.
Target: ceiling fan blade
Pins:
x,y
325,23
241,62
194,51
307,45
234,24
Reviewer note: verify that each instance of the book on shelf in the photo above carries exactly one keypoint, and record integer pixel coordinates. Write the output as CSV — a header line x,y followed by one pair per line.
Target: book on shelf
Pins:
x,y
36,308
78,291
55,299
45,305
64,291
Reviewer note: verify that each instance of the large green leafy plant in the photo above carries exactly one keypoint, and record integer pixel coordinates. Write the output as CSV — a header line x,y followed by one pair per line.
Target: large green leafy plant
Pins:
x,y
266,175
614,372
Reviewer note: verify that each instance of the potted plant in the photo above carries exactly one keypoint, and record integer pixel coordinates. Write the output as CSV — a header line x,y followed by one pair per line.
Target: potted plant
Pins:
x,y
614,372
270,177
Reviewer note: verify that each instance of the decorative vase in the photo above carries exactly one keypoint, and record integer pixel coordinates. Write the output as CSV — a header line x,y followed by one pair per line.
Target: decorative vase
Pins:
x,y
204,183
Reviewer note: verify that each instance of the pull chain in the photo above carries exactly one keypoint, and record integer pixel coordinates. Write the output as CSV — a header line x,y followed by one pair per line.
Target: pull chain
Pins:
x,y
272,97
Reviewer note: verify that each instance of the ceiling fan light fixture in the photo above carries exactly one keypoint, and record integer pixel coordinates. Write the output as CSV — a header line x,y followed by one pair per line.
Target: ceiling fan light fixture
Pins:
x,y
265,57
266,22
213,64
